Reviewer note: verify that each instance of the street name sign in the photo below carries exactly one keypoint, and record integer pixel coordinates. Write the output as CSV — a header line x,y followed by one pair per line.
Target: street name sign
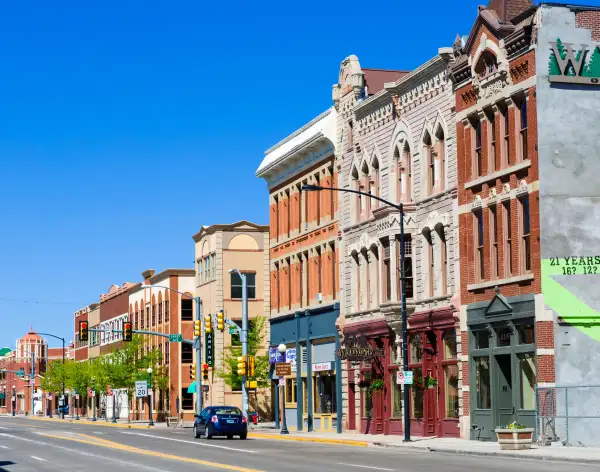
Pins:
x,y
175,338
283,368
141,389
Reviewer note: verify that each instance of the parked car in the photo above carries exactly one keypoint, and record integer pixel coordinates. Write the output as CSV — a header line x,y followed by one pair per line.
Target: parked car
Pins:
x,y
221,421
60,409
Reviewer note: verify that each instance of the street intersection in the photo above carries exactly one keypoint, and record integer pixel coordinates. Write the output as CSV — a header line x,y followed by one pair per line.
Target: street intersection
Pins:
x,y
31,445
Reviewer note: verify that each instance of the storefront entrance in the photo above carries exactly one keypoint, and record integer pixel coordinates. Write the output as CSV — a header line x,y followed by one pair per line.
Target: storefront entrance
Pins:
x,y
433,360
503,371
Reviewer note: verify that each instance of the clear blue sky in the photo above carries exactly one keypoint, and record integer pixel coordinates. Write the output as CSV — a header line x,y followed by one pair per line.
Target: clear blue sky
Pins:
x,y
127,125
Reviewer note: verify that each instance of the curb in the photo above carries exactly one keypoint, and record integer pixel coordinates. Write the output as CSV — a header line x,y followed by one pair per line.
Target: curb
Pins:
x,y
341,442
93,423
512,455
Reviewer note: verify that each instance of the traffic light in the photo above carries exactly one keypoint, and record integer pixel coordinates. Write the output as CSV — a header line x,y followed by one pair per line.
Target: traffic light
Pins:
x,y
127,335
241,365
251,366
197,328
83,331
205,371
192,371
207,325
221,321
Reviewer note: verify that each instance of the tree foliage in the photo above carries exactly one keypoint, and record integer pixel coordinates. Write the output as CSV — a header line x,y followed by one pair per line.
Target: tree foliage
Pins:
x,y
256,336
119,369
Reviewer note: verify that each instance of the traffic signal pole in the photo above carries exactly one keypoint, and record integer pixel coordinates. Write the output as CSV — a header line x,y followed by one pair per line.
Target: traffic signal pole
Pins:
x,y
198,346
244,343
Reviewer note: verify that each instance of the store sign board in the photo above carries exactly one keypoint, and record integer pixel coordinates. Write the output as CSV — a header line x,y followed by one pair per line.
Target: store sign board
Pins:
x,y
283,368
574,64
275,356
358,350
322,367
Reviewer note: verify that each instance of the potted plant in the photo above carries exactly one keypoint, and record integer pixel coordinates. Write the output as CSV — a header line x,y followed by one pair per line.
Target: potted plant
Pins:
x,y
377,385
418,383
430,382
514,437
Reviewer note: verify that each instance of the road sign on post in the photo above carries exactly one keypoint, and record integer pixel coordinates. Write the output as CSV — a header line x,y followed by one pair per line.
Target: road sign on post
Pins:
x,y
21,373
141,389
175,338
209,346
283,368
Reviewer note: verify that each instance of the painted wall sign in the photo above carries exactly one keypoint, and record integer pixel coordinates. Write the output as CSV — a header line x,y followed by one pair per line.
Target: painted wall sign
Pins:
x,y
574,66
275,356
575,265
358,349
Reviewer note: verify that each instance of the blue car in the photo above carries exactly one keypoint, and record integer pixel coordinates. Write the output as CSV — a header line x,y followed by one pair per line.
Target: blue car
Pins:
x,y
60,409
221,421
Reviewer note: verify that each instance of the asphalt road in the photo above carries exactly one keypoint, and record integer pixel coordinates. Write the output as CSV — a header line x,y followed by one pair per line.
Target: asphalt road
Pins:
x,y
29,445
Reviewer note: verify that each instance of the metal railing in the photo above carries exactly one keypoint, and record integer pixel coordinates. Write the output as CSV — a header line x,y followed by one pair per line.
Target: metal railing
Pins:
x,y
570,415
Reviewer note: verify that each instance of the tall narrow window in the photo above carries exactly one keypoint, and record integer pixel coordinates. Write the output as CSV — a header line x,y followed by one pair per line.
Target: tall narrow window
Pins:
x,y
333,271
523,123
288,212
506,131
398,175
308,278
317,196
387,269
276,217
407,157
444,254
187,309
357,198
350,135
494,240
430,262
357,287
332,194
494,155
147,316
408,266
441,157
525,235
166,310
299,206
507,230
160,311
300,279
479,245
478,157
375,182
430,156
367,274
288,282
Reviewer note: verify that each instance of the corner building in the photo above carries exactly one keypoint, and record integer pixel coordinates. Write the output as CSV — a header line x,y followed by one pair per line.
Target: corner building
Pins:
x,y
304,275
397,141
507,336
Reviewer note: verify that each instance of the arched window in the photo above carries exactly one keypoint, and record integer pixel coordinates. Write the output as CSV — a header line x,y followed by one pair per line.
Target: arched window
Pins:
x,y
405,173
430,162
440,155
486,65
364,185
357,198
374,182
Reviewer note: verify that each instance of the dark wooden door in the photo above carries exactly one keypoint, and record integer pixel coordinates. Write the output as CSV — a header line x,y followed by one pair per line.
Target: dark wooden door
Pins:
x,y
351,405
430,413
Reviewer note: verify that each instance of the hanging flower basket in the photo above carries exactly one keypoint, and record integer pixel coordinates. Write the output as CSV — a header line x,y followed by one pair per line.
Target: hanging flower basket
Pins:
x,y
430,382
418,383
377,385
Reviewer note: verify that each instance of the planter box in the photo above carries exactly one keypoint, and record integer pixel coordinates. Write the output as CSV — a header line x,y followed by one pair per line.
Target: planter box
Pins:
x,y
514,439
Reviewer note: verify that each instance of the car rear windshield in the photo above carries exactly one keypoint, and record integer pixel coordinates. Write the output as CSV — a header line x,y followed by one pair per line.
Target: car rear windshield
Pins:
x,y
228,411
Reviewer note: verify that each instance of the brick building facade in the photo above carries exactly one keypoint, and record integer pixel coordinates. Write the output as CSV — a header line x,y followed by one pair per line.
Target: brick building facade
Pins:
x,y
304,272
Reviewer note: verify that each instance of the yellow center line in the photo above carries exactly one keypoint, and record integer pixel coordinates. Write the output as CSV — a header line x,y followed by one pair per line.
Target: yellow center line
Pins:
x,y
94,441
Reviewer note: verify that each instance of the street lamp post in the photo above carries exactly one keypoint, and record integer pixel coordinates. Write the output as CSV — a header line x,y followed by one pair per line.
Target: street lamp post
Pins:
x,y
14,399
150,423
284,429
93,399
244,338
197,345
400,208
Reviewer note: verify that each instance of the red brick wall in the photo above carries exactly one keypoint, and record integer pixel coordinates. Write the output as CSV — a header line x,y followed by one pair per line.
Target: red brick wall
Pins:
x,y
589,20
544,334
546,371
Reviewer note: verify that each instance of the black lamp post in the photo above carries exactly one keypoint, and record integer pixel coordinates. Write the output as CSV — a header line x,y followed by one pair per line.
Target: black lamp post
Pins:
x,y
400,208
62,415
284,429
14,399
151,422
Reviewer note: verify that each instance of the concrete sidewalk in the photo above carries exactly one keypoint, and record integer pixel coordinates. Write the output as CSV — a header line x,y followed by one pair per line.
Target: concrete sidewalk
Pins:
x,y
556,452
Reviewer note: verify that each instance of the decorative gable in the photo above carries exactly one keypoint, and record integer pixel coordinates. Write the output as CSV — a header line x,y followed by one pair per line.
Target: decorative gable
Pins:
x,y
498,306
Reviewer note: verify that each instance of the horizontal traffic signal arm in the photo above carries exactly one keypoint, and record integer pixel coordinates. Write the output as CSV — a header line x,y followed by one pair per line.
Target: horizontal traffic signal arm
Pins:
x,y
138,331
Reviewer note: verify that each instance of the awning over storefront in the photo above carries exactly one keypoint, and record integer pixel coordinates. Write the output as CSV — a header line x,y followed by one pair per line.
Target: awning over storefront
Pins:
x,y
192,388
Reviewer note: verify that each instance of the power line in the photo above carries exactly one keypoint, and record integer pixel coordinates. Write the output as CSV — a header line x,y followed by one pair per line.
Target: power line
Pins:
x,y
39,302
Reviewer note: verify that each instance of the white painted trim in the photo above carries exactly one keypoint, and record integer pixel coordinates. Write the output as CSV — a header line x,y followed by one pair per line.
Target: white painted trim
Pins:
x,y
466,388
468,207
544,352
546,385
499,282
498,174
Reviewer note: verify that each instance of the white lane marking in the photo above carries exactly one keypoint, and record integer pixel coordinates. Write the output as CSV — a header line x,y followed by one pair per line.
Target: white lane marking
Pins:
x,y
365,467
200,443
7,429
4,447
38,458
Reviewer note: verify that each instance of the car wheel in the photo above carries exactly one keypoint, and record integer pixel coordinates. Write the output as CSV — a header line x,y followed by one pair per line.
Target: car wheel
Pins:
x,y
207,433
196,432
243,436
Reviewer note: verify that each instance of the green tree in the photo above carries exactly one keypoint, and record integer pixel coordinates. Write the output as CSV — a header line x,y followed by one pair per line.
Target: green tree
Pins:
x,y
54,377
553,66
256,336
592,68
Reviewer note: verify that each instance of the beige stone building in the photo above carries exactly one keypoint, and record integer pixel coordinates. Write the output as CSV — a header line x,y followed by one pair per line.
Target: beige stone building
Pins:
x,y
220,248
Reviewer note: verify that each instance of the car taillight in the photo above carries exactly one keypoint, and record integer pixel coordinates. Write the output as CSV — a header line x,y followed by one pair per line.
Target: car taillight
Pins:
x,y
214,419
244,420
